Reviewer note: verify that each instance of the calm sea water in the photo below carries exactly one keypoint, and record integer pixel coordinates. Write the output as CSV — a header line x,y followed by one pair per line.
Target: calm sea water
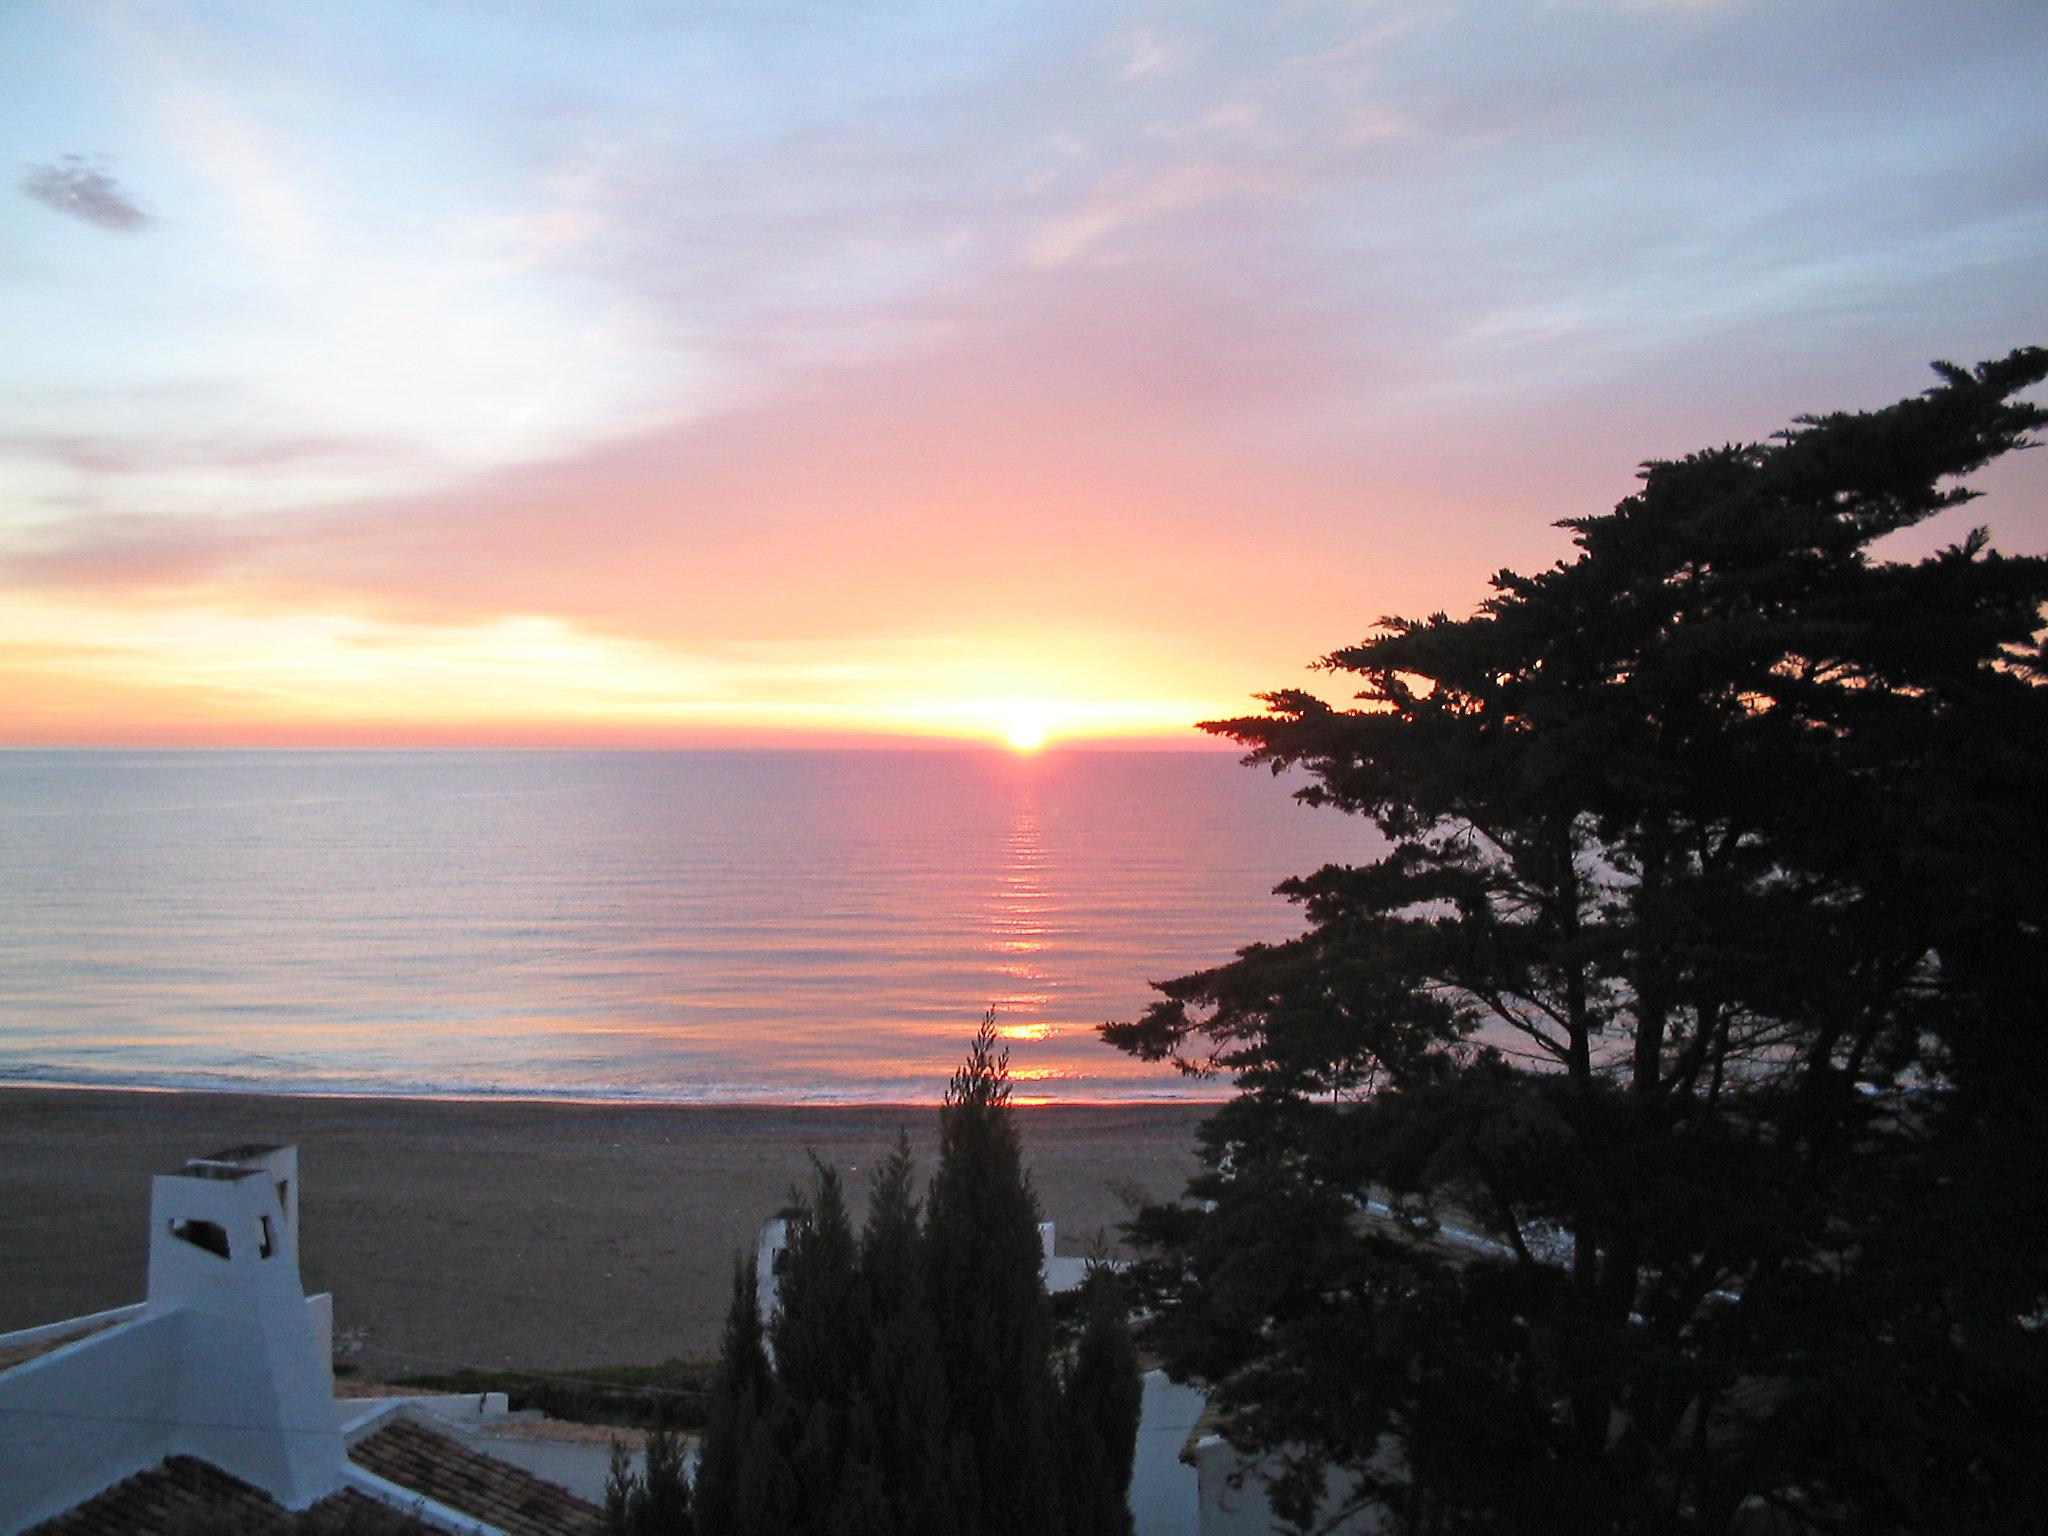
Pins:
x,y
768,926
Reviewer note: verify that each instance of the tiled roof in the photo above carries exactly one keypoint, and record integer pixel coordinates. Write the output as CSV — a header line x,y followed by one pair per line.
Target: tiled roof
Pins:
x,y
188,1497
480,1486
183,1497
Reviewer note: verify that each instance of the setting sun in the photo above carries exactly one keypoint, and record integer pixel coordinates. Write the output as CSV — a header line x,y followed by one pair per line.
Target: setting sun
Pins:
x,y
1025,731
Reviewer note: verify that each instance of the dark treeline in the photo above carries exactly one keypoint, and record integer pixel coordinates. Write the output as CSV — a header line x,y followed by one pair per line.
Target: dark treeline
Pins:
x,y
910,1381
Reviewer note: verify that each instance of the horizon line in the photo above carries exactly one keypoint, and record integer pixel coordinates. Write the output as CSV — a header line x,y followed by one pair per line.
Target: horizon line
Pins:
x,y
1190,740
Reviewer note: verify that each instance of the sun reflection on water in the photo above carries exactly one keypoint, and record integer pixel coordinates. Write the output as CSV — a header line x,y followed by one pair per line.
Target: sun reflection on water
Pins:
x,y
1021,921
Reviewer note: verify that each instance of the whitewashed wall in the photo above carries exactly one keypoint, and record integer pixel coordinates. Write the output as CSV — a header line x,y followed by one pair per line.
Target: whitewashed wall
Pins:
x,y
229,1360
85,1416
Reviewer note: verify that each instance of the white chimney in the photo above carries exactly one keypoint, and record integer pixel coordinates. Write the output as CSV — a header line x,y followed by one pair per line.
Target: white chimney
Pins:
x,y
255,1389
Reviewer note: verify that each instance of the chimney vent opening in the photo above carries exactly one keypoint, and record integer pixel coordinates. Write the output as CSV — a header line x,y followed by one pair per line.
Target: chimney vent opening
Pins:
x,y
209,1235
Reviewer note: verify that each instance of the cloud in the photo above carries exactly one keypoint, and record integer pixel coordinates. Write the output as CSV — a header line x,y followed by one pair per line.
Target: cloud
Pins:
x,y
83,189
1122,202
129,552
1142,51
112,454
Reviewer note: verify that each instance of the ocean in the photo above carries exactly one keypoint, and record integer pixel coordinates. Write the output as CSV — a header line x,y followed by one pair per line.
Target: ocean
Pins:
x,y
722,926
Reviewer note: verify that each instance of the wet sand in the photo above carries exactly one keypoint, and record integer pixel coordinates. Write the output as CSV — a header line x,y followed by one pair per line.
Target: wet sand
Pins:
x,y
544,1236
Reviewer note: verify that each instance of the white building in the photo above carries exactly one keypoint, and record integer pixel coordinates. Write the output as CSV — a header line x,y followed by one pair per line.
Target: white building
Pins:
x,y
219,1386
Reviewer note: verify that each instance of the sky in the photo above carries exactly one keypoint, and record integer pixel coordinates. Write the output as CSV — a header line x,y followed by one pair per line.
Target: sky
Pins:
x,y
760,374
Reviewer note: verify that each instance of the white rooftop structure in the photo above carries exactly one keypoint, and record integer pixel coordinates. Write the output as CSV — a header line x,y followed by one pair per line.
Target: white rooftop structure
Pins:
x,y
229,1363
227,1359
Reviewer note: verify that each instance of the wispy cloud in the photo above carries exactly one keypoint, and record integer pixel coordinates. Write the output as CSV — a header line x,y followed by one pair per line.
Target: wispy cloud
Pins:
x,y
86,190
129,552
1141,51
1123,201
109,454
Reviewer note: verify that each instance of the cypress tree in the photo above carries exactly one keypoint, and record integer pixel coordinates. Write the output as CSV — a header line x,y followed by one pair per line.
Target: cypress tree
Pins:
x,y
861,1502
815,1457
769,1501
741,1394
663,1501
1100,1404
818,1332
989,1306
621,1487
912,1390
654,1501
903,1381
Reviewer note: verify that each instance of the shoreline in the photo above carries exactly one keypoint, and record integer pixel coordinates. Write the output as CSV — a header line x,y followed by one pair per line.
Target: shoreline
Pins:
x,y
529,1233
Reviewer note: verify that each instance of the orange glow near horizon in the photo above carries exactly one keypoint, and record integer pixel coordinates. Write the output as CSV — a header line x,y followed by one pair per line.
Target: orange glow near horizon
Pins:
x,y
210,674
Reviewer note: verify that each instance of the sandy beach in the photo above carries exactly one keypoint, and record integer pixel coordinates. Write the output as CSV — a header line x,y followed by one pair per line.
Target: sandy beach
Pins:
x,y
537,1235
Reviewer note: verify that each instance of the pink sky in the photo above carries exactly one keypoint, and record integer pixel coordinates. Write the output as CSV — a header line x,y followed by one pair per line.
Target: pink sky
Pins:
x,y
430,377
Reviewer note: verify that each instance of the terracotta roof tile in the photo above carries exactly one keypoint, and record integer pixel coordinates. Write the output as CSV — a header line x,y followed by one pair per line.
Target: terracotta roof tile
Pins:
x,y
481,1486
184,1497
